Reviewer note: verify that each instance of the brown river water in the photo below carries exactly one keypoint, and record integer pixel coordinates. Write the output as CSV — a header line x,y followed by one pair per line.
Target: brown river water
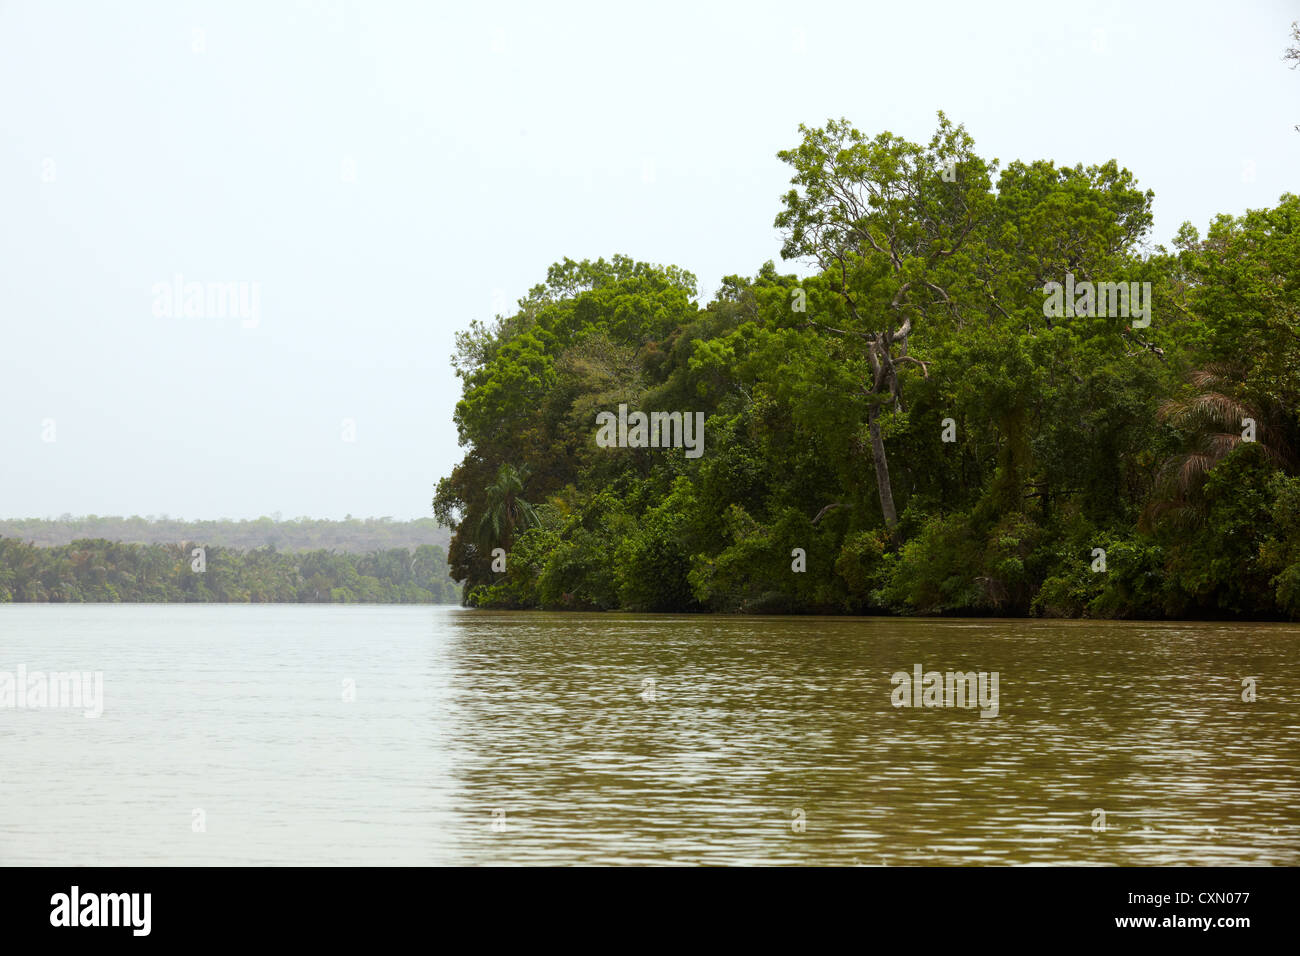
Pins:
x,y
434,735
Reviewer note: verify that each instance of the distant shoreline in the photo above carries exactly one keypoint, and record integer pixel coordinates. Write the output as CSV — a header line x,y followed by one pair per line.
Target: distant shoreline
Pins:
x,y
352,535
199,571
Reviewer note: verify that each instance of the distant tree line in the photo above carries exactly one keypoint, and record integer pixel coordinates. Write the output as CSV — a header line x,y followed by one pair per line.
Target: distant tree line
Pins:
x,y
113,571
351,535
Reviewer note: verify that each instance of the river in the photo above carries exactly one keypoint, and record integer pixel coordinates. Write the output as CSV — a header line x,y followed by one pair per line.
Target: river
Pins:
x,y
311,734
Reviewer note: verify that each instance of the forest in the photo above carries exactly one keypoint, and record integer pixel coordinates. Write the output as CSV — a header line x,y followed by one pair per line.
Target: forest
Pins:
x,y
916,426
199,568
351,535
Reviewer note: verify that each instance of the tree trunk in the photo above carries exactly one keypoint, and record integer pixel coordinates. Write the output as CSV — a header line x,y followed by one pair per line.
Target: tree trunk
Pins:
x,y
882,470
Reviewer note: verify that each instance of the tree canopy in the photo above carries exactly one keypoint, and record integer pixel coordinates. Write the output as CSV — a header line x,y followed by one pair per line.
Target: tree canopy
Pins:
x,y
910,418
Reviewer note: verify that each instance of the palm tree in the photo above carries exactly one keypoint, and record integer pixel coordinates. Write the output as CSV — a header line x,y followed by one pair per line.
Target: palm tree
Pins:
x,y
1214,417
504,511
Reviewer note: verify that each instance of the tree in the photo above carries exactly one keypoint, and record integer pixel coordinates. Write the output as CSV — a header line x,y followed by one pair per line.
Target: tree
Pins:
x,y
1216,421
881,220
505,511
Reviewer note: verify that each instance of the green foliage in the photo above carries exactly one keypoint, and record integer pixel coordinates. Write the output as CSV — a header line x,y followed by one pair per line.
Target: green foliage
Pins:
x,y
1281,552
653,559
352,535
825,400
1217,566
94,570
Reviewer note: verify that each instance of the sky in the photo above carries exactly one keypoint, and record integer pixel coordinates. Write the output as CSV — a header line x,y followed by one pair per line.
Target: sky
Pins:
x,y
372,177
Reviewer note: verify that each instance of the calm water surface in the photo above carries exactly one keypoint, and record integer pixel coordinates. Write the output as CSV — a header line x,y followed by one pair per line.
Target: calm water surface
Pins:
x,y
477,737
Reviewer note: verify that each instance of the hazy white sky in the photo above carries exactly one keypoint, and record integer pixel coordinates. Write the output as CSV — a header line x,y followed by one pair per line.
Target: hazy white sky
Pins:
x,y
387,172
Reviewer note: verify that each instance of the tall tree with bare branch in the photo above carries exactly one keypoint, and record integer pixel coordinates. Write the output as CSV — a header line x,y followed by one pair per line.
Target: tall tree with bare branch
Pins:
x,y
884,219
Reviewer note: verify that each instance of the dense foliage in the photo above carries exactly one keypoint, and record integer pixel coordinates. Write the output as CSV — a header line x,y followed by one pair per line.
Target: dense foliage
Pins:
x,y
353,535
99,570
1170,446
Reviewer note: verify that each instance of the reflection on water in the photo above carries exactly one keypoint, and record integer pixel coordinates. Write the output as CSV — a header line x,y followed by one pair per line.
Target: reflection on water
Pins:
x,y
228,736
